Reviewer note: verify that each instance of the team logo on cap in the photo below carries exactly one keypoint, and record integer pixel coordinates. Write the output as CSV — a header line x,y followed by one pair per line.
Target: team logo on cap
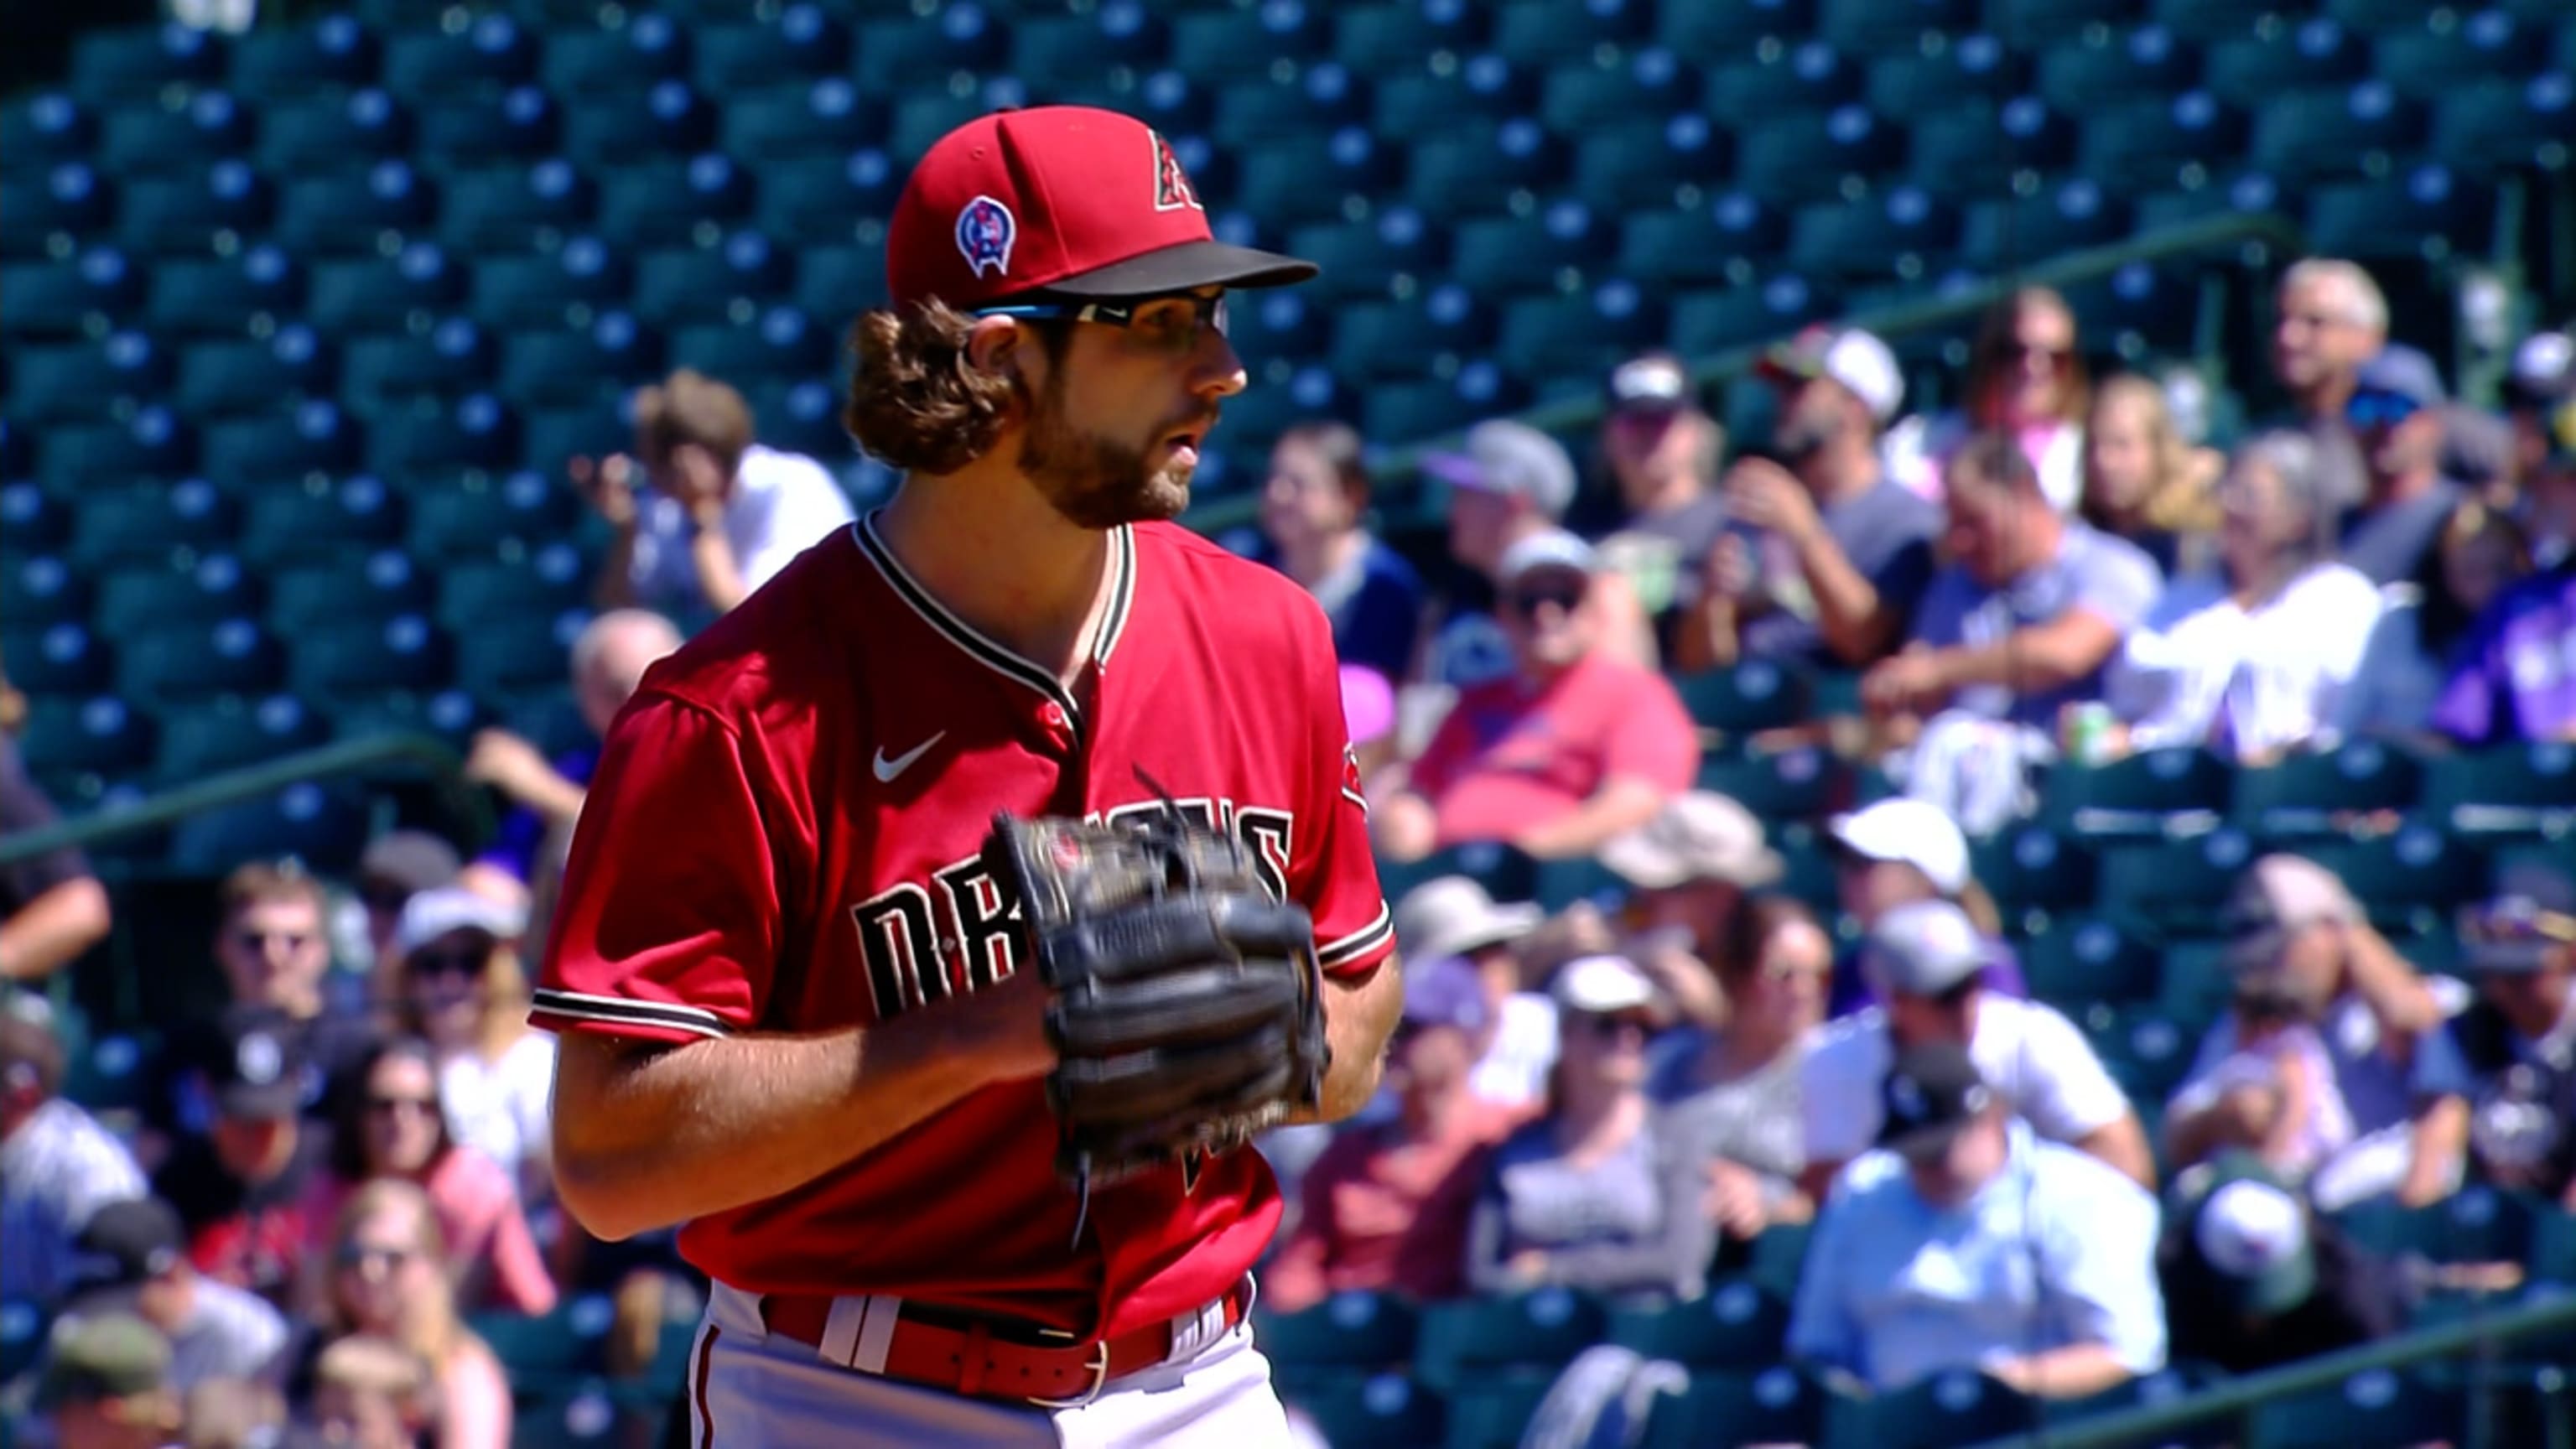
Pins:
x,y
985,231
1172,189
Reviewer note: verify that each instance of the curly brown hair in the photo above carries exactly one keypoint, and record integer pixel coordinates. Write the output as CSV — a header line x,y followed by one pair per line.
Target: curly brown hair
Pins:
x,y
916,403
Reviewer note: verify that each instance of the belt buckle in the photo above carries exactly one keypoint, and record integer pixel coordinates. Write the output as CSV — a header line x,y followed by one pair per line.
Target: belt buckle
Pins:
x,y
1099,1374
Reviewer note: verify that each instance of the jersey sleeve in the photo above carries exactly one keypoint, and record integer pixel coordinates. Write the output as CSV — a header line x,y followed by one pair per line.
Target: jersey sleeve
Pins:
x,y
668,926
1332,873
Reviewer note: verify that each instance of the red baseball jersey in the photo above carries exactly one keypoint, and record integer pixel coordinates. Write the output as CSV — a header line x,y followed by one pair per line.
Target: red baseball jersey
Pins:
x,y
784,836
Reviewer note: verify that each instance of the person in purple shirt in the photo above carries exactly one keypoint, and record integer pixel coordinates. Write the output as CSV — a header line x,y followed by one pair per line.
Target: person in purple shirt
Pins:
x,y
2516,677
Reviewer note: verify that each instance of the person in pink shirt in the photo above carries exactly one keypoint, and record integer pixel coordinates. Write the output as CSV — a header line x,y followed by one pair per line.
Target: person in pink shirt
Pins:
x,y
1386,1205
1570,751
2026,378
390,1125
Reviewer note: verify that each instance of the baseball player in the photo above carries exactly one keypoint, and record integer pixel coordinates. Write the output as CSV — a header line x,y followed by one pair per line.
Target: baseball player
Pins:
x,y
794,1012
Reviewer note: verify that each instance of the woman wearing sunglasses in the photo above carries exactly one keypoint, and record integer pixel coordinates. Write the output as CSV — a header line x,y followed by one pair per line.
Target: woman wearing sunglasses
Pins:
x,y
1599,1193
459,987
389,1125
2026,378
387,1280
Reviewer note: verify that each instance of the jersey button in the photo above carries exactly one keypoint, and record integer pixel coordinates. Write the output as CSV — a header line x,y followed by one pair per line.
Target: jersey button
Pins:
x,y
1055,720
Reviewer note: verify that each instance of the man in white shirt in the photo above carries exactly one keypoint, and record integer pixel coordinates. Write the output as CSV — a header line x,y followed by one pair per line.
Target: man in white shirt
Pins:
x,y
722,515
1927,962
58,1166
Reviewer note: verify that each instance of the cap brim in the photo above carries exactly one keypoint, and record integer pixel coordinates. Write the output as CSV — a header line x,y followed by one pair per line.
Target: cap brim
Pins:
x,y
266,1104
1186,267
1925,1140
1642,863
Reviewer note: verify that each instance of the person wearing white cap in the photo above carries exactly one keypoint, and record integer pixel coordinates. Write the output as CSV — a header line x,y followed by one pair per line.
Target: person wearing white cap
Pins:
x,y
1828,554
1597,1194
1453,918
1661,449
1927,960
460,986
1571,750
2254,1278
1898,851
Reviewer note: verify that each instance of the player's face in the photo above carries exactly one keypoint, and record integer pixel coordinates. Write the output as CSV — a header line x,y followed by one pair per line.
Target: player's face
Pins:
x,y
1116,424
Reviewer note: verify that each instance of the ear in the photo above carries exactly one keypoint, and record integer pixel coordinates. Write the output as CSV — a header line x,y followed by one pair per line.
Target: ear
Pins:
x,y
996,345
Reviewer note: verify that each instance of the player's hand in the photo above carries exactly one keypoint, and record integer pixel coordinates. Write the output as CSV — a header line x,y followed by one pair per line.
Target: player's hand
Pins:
x,y
1907,684
1733,1200
607,485
1763,494
507,763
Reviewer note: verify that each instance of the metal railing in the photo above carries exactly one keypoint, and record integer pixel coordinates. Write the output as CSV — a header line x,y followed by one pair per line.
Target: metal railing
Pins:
x,y
2270,230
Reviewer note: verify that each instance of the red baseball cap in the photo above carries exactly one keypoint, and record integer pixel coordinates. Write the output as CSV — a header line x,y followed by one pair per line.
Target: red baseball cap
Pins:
x,y
1069,200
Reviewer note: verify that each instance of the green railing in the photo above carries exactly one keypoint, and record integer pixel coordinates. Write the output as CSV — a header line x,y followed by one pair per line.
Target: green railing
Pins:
x,y
2481,1334
2271,231
371,755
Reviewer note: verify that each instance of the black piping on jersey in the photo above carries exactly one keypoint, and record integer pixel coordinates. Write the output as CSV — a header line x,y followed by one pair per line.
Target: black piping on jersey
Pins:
x,y
626,1011
1113,620
1360,942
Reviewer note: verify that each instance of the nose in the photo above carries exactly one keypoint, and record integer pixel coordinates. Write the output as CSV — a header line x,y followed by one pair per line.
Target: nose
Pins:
x,y
1220,368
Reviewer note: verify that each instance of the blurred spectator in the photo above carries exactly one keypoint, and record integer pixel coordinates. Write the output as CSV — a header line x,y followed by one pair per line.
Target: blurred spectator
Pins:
x,y
2498,1081
232,1414
2274,1095
1512,482
1386,1205
2516,672
390,1125
1314,511
2250,661
2329,318
2026,379
2540,401
1926,961
387,1281
397,865
464,992
1453,917
2020,624
1661,448
1826,556
371,1392
2396,412
106,1385
2253,1279
1734,1091
1574,748
1968,1243
2424,622
1368,714
722,513
133,1258
240,1187
2292,927
1596,1194
1688,870
58,1166
1896,852
2142,481
608,663
2477,453
51,907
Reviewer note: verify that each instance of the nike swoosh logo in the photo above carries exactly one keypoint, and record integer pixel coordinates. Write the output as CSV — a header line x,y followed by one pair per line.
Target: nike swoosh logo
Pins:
x,y
887,769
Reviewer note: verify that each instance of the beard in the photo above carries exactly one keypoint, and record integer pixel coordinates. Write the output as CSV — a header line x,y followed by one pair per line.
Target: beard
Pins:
x,y
1094,481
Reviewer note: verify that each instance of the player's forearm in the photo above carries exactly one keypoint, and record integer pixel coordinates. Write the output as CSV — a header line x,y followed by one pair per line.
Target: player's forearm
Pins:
x,y
52,929
1359,1016
649,1136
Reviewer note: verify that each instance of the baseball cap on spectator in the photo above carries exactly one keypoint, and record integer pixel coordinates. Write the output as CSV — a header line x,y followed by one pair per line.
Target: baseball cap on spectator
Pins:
x,y
1651,382
1931,1094
1552,548
1847,355
2477,446
108,1358
1601,985
1925,948
2275,899
1444,992
126,1243
1916,832
1368,704
2253,1233
1513,459
2393,386
1068,201
2530,918
433,913
1699,835
2543,371
1452,916
400,864
29,1044
255,1067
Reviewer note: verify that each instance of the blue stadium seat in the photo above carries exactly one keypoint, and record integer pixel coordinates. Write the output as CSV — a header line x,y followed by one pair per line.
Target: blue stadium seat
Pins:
x,y
1479,169
803,417
825,117
2076,963
2137,64
2001,235
963,37
562,287
2176,887
334,52
41,589
451,358
839,282
1703,244
1503,255
81,382
182,216
155,444
1363,258
1484,88
319,521
1977,151
598,426
386,293
586,62
45,129
185,585
143,141
2140,307
2316,54
325,828
378,586
784,344
351,657
1493,1411
1772,1406
2517,790
227,295
335,132
138,63
1649,163
1462,1339
451,715
102,735
1713,321
514,209
2431,63
58,659
2207,21
708,284
2375,1406
492,50
516,654
1320,97
1056,53
231,379
1952,1408
2308,796
805,40
2033,872
2145,145
315,436
67,202
197,659
2136,795
1393,338
1804,783
477,516
31,519
2030,23
2504,124
668,119
1900,231
1373,1411
1735,1325
1804,158
2148,1050
672,203
1310,178
542,584
355,214
203,739
1775,81
61,299
1545,32
1223,46
1356,1331
550,369
829,200
1383,39
1581,334
1650,82
1973,66
2411,879
474,432
2332,134
521,124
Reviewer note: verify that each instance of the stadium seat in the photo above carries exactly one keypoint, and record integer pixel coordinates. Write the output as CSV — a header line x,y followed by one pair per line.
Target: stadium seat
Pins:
x,y
2140,794
1583,334
227,295
1222,46
233,379
2504,124
62,659
1974,65
2412,878
2309,795
31,519
2176,887
151,140
1437,406
345,658
139,594
202,739
550,369
1493,1411
519,125
450,715
2143,145
354,215
2375,1406
1058,53
784,344
2193,983
362,586
41,589
87,381
1321,97
451,358
1347,1332
2146,1051
1952,1408
314,437
1810,77
1976,151
1649,163
1364,258
555,434
1393,338
631,57
507,656
826,201
1886,27
1713,321
475,432
893,54
547,582
548,718
45,129
1383,39
667,120
1804,158
1478,169
2424,212
153,445
139,63
147,523
1779,1255
2140,307
333,53
335,132
1462,1340
1312,178
1735,702
387,293
492,51
1547,32
189,215
193,659
825,117
804,41
1804,783
2000,236
1735,1325
2509,791
840,282
1899,231
674,203
323,827
320,520
1705,244
2132,65
2477,1224
66,204
1483,89
65,298
1650,82
2314,55
805,417
563,287
101,736
2033,872
2082,961
1379,1411
2432,62
1773,1406
710,284
2333,134
516,210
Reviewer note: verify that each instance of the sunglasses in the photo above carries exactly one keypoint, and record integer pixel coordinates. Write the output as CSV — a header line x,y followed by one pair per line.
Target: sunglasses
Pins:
x,y
358,1255
2051,353
2516,921
450,963
384,899
413,1106
261,940
1617,1023
1528,601
1183,320
2372,408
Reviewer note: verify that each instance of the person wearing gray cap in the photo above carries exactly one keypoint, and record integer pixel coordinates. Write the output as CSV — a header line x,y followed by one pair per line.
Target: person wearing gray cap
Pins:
x,y
133,1258
2396,412
2498,1081
58,1166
